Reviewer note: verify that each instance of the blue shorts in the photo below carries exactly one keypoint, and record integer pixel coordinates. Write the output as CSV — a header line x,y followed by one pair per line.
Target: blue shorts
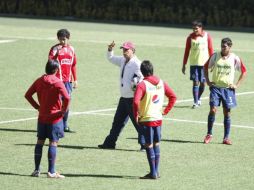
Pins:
x,y
224,95
68,86
197,73
51,131
151,134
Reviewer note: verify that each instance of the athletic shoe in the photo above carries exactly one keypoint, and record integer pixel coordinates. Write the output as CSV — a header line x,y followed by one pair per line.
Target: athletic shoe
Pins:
x,y
208,139
55,175
149,176
103,146
195,106
36,173
67,129
199,103
142,148
227,141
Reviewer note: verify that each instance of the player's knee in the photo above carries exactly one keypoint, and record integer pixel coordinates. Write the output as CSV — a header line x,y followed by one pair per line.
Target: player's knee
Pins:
x,y
53,143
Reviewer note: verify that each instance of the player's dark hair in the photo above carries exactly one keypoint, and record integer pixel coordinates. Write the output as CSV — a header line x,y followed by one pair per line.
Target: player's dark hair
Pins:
x,y
227,41
197,23
63,33
146,68
51,66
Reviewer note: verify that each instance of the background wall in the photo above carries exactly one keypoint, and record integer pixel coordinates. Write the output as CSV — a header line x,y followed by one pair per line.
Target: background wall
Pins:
x,y
226,13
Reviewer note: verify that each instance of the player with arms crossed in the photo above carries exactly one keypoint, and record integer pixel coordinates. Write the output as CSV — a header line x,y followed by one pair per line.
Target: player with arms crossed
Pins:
x,y
49,90
198,48
223,65
147,108
65,54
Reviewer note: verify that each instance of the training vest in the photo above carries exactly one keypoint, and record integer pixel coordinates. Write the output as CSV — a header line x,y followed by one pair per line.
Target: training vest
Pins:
x,y
199,53
223,71
150,108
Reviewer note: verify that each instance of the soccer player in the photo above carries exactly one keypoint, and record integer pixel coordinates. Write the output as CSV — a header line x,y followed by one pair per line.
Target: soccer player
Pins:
x,y
49,90
223,65
147,108
198,49
129,66
65,54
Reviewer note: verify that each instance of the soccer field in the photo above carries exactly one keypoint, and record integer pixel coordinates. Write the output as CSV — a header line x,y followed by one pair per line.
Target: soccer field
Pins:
x,y
186,163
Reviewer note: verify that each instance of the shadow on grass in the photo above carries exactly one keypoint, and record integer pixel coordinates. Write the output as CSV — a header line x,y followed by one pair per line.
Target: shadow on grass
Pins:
x,y
77,175
15,174
181,141
18,130
174,141
190,107
82,147
101,176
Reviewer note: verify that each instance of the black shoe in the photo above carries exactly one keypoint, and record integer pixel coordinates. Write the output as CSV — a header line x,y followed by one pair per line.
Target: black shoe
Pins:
x,y
68,130
149,176
142,148
103,146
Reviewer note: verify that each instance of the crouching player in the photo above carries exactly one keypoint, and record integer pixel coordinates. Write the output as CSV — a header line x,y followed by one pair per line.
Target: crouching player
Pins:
x,y
50,91
147,107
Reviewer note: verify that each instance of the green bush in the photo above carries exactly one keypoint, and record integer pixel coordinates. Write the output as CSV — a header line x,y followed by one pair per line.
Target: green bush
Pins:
x,y
231,13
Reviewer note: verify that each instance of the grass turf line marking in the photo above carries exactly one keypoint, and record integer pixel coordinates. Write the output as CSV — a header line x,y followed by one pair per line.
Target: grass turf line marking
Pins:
x,y
106,42
97,112
6,41
113,109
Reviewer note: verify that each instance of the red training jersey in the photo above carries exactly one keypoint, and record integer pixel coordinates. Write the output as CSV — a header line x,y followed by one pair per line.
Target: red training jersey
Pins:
x,y
50,91
67,60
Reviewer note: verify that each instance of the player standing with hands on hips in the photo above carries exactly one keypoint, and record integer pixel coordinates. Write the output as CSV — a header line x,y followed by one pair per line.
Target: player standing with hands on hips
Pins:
x,y
223,65
198,48
65,54
147,109
129,66
51,107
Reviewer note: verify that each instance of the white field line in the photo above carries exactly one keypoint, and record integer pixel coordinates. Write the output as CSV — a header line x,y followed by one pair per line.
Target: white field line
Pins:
x,y
205,123
113,109
6,41
104,42
98,112
18,120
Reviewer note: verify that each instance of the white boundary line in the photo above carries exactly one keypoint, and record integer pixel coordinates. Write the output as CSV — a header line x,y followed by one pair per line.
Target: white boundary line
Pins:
x,y
14,38
97,112
6,41
112,109
18,120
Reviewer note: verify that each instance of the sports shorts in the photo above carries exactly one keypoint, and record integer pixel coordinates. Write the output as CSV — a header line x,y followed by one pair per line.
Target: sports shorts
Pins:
x,y
51,131
197,73
151,134
226,96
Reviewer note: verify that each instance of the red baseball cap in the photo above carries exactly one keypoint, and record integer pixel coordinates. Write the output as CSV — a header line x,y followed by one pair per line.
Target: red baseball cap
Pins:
x,y
128,45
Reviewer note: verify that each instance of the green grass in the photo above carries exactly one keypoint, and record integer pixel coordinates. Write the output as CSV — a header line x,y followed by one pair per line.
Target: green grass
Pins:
x,y
186,163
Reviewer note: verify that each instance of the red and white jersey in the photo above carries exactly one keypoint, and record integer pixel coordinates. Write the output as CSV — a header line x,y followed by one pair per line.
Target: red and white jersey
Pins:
x,y
67,60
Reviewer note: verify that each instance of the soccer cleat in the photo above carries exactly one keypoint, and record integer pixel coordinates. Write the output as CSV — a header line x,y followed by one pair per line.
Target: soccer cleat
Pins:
x,y
36,173
67,129
208,139
227,141
103,146
142,148
55,175
195,106
149,176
